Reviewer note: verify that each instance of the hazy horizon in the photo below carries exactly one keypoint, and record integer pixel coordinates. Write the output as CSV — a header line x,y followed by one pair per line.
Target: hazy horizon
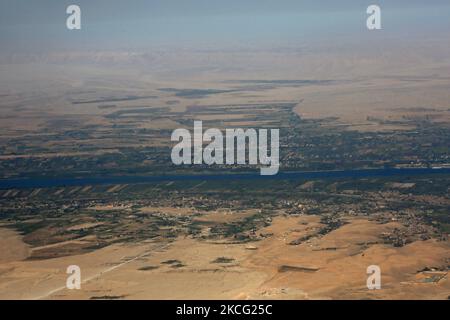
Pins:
x,y
145,25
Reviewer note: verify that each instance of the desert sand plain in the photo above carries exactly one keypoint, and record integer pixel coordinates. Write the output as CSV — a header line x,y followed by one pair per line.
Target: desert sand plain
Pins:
x,y
325,267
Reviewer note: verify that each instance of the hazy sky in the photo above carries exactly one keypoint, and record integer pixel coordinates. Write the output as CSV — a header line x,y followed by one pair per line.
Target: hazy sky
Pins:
x,y
39,25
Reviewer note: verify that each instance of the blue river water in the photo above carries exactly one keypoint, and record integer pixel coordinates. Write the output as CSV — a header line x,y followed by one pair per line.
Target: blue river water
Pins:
x,y
46,182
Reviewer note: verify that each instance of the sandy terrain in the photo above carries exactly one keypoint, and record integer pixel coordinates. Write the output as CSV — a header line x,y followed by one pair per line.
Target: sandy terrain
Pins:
x,y
12,247
324,267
